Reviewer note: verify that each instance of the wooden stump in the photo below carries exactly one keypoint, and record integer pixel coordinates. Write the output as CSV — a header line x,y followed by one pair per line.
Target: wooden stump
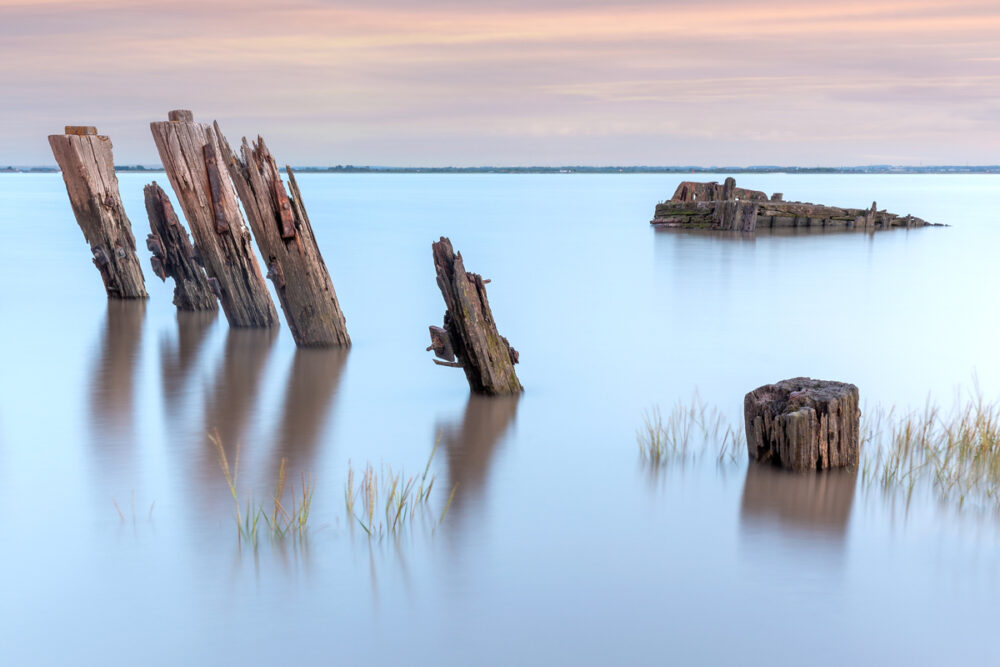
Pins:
x,y
89,173
192,156
485,356
173,254
285,237
803,424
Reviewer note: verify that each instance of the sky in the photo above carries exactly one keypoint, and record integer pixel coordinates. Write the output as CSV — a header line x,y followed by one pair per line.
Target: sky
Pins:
x,y
542,82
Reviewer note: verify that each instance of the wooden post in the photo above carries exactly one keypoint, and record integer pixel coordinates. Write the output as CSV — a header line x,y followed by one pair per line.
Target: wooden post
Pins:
x,y
173,254
803,424
285,237
485,356
192,157
89,173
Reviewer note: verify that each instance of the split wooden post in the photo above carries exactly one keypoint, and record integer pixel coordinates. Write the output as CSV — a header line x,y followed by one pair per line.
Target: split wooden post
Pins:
x,y
803,424
88,170
174,256
192,158
469,332
285,237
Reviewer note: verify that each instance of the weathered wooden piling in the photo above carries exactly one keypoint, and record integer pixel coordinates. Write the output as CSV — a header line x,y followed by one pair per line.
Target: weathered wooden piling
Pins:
x,y
803,424
173,254
192,158
470,333
88,170
286,240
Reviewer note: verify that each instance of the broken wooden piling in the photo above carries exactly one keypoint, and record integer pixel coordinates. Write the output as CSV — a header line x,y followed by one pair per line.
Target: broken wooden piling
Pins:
x,y
192,158
88,170
803,424
470,334
174,256
285,237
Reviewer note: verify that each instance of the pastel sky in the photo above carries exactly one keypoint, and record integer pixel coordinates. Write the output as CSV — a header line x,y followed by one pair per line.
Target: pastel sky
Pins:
x,y
542,82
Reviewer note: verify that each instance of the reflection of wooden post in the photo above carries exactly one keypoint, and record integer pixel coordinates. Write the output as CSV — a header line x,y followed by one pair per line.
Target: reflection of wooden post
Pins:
x,y
820,502
173,255
285,238
192,159
485,355
89,172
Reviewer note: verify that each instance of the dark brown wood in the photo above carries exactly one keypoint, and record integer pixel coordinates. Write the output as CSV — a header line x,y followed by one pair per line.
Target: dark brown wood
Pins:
x,y
81,130
803,424
173,254
485,356
88,170
214,217
285,237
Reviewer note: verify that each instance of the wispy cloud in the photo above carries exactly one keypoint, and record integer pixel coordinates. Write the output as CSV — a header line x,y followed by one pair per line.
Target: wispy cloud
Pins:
x,y
549,81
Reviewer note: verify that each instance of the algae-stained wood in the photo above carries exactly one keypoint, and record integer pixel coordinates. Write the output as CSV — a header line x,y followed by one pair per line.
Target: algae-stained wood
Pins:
x,y
485,356
174,256
286,240
88,170
192,158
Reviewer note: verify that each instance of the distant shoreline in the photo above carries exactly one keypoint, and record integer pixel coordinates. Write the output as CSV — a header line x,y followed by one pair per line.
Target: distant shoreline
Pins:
x,y
350,169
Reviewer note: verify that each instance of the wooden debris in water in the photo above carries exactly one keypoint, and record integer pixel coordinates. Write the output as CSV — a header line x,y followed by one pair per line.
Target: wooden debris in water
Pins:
x,y
803,424
174,256
191,156
469,331
88,170
285,237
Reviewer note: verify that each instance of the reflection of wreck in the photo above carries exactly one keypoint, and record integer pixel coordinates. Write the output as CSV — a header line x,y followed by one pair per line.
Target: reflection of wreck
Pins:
x,y
727,207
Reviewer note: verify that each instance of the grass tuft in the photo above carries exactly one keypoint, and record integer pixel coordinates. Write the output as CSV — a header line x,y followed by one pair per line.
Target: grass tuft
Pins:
x,y
280,518
956,454
688,433
385,502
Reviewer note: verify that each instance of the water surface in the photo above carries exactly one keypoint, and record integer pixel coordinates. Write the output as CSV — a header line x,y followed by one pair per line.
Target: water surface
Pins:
x,y
559,547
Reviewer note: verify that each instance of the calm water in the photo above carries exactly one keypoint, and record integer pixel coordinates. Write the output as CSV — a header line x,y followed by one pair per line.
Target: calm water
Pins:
x,y
559,547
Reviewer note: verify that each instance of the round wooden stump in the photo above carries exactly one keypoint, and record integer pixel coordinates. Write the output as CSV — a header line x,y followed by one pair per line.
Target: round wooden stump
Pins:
x,y
803,424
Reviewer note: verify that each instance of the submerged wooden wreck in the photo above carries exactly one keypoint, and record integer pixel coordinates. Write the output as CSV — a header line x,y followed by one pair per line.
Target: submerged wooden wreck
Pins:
x,y
727,207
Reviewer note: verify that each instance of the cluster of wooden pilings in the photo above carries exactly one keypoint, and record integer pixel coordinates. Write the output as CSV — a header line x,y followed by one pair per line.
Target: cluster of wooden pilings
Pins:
x,y
220,267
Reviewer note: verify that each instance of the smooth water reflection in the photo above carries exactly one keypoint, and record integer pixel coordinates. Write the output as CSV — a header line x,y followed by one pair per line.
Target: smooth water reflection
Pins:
x,y
555,548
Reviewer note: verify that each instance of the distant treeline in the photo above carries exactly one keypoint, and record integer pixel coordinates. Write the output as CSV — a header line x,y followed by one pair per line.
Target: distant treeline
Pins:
x,y
767,169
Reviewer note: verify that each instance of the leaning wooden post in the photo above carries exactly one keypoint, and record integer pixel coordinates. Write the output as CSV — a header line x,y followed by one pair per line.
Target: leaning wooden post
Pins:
x,y
174,256
803,424
285,237
192,158
89,172
469,332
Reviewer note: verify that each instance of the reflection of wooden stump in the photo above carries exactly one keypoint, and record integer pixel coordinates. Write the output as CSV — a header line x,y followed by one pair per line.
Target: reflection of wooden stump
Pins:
x,y
469,445
803,424
114,377
312,383
821,502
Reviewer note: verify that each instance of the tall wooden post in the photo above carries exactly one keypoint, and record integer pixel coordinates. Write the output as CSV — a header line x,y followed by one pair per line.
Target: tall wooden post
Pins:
x,y
173,254
89,172
193,160
469,332
285,237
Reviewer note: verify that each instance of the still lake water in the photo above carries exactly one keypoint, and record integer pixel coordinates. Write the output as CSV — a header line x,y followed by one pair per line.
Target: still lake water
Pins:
x,y
559,547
